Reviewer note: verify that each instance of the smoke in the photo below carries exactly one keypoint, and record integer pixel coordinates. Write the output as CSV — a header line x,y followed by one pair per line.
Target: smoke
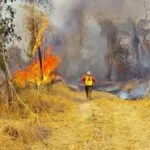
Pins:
x,y
76,34
85,48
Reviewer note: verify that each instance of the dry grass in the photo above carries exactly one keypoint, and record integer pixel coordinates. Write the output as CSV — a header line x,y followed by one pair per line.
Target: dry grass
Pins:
x,y
126,124
54,99
67,121
25,129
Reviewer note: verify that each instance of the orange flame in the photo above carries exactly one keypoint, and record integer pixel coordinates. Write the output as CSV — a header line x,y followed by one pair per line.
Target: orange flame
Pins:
x,y
31,74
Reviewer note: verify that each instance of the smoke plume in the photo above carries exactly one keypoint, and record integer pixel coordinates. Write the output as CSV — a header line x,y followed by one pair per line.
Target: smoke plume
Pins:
x,y
84,47
77,37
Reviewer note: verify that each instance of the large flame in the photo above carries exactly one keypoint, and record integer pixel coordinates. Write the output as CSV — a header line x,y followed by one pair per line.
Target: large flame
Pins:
x,y
31,74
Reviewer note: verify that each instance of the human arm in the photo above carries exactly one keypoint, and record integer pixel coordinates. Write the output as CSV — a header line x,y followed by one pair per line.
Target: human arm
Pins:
x,y
94,80
83,79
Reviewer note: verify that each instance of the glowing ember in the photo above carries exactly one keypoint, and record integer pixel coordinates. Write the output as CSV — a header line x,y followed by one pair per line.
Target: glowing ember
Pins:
x,y
31,74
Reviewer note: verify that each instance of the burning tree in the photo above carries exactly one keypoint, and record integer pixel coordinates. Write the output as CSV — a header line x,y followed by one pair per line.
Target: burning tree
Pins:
x,y
30,75
37,23
39,71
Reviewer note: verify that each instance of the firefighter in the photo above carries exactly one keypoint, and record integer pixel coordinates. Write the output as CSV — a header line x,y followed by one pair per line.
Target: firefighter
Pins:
x,y
89,81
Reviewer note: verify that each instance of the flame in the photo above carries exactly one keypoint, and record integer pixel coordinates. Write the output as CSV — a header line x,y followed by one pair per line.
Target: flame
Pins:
x,y
31,74
38,41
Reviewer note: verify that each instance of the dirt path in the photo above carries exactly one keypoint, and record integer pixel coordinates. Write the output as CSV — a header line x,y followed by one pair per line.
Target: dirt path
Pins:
x,y
103,124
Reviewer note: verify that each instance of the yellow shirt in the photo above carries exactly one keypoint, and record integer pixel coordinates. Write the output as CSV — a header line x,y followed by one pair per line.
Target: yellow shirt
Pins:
x,y
88,81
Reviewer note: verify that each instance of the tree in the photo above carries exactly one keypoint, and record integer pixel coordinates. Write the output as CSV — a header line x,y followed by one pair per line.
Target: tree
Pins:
x,y
121,62
110,31
7,37
34,24
135,37
146,6
135,30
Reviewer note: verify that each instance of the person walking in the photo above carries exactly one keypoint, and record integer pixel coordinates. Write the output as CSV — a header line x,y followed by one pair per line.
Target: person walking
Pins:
x,y
89,81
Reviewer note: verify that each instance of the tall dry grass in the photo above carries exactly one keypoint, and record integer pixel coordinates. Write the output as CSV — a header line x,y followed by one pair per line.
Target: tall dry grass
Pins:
x,y
22,129
63,119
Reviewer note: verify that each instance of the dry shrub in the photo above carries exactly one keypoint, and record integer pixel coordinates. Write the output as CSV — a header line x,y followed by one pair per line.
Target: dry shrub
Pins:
x,y
55,99
23,135
62,91
11,131
20,130
32,134
6,143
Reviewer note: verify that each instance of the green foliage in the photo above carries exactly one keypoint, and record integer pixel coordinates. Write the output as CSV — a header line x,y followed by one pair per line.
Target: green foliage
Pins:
x,y
7,29
7,37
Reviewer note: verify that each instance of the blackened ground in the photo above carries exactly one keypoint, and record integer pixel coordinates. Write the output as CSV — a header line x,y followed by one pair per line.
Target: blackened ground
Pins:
x,y
131,90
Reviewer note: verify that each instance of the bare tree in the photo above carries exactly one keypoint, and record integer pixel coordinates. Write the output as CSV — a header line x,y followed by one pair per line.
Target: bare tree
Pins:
x,y
110,31
145,22
146,6
135,31
34,22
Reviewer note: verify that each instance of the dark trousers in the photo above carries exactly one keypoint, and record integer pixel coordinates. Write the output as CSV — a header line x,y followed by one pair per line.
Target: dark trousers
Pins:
x,y
88,91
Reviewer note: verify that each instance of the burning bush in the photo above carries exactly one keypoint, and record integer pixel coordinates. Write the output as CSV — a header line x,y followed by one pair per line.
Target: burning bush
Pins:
x,y
30,75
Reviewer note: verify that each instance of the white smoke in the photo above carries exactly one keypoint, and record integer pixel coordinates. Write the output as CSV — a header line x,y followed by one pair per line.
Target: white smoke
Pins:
x,y
91,55
76,21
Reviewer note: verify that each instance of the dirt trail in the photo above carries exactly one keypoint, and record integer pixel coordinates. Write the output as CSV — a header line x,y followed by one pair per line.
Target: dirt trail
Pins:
x,y
103,125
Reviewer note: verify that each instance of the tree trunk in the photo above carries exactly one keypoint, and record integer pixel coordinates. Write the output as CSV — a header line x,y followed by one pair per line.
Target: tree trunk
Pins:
x,y
34,26
7,77
138,60
9,90
136,43
109,72
40,62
